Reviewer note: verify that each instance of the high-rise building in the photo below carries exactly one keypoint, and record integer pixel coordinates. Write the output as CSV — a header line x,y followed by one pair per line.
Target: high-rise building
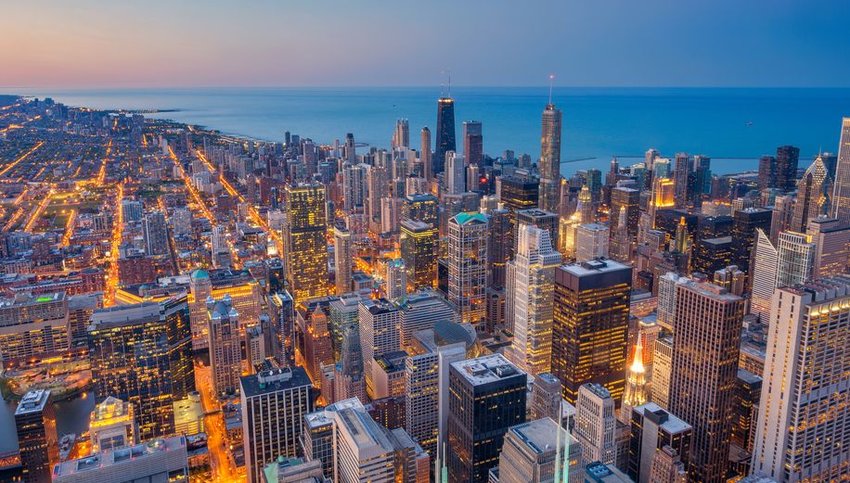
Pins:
x,y
550,158
705,363
590,329
156,233
342,258
832,246
744,225
595,423
445,132
401,135
159,369
841,192
767,172
788,263
487,396
225,345
396,279
354,186
162,459
35,425
112,425
813,192
430,354
421,310
425,153
473,143
380,324
545,220
540,451
652,429
662,364
304,241
683,168
592,241
421,207
499,246
628,199
418,241
530,285
33,328
274,402
787,159
455,173
467,261
802,433
545,397
747,395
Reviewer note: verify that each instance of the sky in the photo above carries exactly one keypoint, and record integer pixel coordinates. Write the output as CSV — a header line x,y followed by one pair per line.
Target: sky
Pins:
x,y
186,43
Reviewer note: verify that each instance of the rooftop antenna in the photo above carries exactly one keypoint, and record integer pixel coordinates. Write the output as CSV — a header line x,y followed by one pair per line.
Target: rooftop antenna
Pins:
x,y
551,81
449,74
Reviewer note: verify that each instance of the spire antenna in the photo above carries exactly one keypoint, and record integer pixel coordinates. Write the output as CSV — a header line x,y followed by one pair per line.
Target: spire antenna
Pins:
x,y
551,81
449,73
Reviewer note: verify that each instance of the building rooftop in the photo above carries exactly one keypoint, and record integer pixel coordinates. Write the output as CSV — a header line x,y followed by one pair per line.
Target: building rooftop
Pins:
x,y
470,217
541,435
662,418
33,402
486,369
379,306
273,380
120,455
595,266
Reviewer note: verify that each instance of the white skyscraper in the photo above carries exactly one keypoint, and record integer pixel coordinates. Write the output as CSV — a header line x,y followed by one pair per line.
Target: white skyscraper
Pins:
x,y
592,241
803,429
342,259
532,275
396,279
595,423
455,173
788,263
380,333
841,191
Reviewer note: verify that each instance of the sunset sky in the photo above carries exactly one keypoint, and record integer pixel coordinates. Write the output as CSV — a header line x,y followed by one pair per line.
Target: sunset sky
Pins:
x,y
154,43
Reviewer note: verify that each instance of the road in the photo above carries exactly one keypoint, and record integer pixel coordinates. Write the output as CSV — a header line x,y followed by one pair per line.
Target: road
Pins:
x,y
221,468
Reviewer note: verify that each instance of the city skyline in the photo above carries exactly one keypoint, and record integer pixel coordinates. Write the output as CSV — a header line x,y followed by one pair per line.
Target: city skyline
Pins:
x,y
194,43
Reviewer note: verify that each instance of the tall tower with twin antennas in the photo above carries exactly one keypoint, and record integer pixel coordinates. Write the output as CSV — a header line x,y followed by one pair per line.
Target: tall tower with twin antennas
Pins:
x,y
445,141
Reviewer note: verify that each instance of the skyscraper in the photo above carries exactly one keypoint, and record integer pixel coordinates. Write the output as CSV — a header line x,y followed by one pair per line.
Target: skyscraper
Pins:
x,y
35,425
467,252
705,364
530,285
304,241
832,246
445,132
274,402
767,172
841,196
592,241
455,173
486,397
590,331
156,372
550,158
224,344
744,225
789,262
425,153
653,428
787,159
401,135
801,434
418,241
595,423
342,258
380,324
545,397
813,193
473,143
540,451
156,233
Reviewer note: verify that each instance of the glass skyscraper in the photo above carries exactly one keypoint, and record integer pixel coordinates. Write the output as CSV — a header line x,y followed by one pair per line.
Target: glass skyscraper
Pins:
x,y
445,132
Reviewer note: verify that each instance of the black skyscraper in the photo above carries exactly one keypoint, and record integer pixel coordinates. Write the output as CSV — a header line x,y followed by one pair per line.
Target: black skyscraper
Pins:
x,y
787,158
445,132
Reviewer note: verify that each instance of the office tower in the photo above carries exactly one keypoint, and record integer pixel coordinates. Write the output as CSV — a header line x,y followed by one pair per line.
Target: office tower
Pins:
x,y
156,233
662,365
421,311
274,402
425,153
747,396
342,258
159,369
362,450
744,225
163,459
499,247
788,263
421,207
35,425
467,257
112,425
540,451
550,158
354,187
705,364
289,470
590,330
518,193
304,241
595,423
782,216
628,199
396,279
652,430
445,132
592,242
473,143
545,220
663,196
813,192
832,246
349,153
530,285
418,241
224,344
767,172
841,192
380,322
377,188
33,328
709,255
545,397
787,158
401,135
486,397
455,173
635,393
681,170
802,432
702,178
430,353
731,279
244,291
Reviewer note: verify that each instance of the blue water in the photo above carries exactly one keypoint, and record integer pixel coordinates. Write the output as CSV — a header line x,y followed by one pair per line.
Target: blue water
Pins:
x,y
736,124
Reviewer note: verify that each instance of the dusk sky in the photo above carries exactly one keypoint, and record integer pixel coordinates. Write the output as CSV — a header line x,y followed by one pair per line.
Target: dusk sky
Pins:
x,y
154,43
